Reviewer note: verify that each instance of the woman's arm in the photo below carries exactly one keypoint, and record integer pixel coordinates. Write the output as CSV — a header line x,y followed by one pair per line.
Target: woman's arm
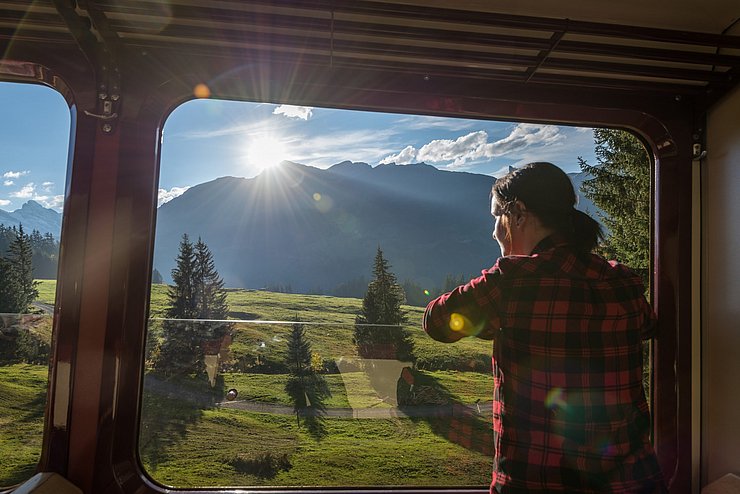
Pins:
x,y
468,310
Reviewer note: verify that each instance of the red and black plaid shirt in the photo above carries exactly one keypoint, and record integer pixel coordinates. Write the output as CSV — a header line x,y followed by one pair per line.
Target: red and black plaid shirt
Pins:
x,y
569,409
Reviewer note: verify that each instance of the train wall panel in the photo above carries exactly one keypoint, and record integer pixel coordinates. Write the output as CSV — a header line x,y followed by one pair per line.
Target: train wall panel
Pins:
x,y
721,294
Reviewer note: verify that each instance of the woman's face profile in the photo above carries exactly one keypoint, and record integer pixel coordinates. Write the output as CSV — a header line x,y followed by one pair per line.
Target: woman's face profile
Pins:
x,y
501,233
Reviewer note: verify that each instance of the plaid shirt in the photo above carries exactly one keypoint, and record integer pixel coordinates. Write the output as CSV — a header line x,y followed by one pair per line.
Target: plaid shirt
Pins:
x,y
569,410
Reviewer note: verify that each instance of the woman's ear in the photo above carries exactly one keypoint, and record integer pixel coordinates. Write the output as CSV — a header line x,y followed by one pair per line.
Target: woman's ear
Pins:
x,y
518,214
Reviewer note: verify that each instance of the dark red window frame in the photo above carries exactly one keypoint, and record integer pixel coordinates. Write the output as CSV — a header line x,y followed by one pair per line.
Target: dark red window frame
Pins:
x,y
109,222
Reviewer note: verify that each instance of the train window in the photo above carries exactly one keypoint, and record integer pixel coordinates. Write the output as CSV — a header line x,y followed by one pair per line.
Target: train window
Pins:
x,y
34,137
295,251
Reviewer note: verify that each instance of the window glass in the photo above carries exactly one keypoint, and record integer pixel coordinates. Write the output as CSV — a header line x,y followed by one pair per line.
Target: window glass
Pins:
x,y
34,138
296,249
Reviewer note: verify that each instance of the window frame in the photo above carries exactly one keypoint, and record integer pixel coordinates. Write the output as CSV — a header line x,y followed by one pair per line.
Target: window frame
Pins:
x,y
91,426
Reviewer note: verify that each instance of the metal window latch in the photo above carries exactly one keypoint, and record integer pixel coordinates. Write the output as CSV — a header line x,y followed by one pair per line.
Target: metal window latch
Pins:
x,y
697,152
108,113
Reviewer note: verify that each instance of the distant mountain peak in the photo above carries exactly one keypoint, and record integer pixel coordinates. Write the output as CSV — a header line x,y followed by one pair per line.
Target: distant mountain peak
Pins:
x,y
34,216
32,205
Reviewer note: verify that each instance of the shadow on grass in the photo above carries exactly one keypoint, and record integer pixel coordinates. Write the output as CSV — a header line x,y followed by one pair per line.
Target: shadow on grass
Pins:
x,y
266,465
424,399
309,394
35,408
17,475
168,408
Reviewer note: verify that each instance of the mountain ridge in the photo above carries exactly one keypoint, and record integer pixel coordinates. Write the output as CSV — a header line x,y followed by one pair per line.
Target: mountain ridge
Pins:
x,y
33,216
314,229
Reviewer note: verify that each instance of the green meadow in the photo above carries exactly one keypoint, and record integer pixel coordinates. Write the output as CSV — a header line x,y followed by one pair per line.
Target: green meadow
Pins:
x,y
191,436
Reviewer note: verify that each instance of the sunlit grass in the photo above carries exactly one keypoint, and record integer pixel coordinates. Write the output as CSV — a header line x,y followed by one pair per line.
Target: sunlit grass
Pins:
x,y
218,446
352,453
22,401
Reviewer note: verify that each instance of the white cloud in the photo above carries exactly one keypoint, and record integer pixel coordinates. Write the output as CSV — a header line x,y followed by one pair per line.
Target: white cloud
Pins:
x,y
18,174
475,146
4,202
165,195
47,186
406,156
51,202
424,122
26,192
8,183
290,111
461,150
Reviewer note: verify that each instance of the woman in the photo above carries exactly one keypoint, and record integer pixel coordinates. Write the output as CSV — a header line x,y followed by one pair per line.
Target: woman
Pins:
x,y
569,411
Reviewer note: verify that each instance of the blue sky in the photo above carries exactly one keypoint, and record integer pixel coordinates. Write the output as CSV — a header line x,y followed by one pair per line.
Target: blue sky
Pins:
x,y
205,139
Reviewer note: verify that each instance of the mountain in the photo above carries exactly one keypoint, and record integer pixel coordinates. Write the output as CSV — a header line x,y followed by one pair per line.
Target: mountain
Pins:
x,y
33,216
314,229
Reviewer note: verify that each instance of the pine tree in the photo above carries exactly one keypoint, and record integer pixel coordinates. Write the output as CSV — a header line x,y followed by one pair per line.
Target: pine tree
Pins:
x,y
306,388
179,354
197,293
210,296
182,293
620,187
299,368
378,328
7,288
20,286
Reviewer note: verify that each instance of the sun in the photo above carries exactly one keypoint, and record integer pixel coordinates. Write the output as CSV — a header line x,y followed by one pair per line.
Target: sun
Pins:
x,y
266,151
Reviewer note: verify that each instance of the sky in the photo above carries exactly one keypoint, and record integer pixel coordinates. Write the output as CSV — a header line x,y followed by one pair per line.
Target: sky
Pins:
x,y
204,139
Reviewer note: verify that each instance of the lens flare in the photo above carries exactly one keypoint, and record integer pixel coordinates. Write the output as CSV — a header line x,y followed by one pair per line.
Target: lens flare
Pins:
x,y
426,292
457,322
555,399
201,91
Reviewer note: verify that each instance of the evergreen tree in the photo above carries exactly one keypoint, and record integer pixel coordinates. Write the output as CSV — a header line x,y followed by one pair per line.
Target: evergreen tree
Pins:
x,y
7,288
378,328
16,275
620,187
44,248
306,389
299,368
182,293
210,296
197,293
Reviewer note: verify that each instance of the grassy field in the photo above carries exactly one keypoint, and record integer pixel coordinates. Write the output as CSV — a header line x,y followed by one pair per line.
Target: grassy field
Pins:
x,y
22,400
188,439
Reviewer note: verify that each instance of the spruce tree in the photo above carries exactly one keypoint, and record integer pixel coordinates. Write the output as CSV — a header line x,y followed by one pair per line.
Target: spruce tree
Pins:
x,y
620,187
179,354
299,368
182,293
378,328
21,284
210,296
306,388
197,294
7,289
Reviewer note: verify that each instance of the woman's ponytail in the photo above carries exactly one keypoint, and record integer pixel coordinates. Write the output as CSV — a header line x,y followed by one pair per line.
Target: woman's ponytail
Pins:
x,y
586,232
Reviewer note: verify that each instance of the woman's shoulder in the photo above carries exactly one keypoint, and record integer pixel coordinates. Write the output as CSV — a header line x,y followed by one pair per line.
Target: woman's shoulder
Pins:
x,y
565,262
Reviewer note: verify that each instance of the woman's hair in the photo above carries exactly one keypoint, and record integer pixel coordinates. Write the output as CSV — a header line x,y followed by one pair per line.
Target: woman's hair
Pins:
x,y
547,192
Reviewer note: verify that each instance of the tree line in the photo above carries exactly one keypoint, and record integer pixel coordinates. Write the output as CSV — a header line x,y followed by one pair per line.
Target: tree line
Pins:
x,y
44,250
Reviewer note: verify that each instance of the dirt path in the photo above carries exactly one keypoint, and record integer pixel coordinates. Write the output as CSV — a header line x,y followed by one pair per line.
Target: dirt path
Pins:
x,y
482,409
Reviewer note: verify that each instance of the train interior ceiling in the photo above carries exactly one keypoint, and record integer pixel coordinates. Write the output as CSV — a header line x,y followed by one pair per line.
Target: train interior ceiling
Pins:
x,y
667,71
